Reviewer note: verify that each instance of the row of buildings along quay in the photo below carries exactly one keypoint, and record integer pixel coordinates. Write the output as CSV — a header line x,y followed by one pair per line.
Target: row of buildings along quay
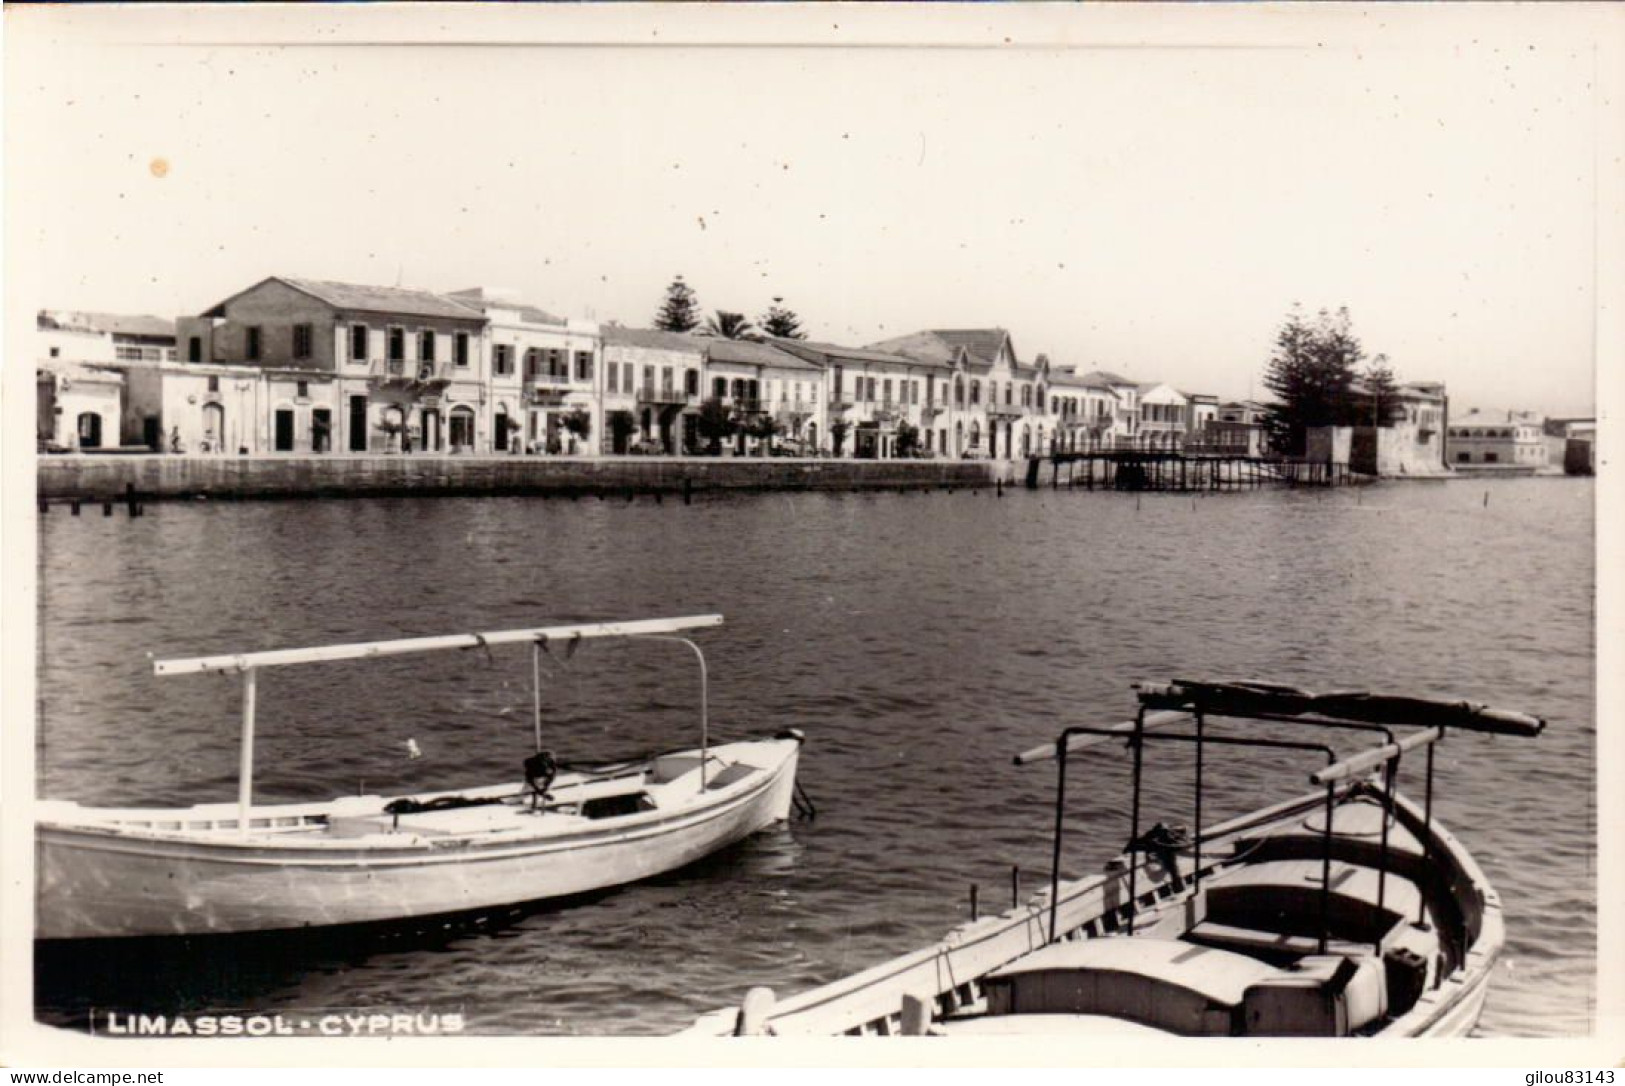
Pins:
x,y
303,366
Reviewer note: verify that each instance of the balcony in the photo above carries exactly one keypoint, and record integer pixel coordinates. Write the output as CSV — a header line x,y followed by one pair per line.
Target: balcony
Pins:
x,y
1006,410
550,380
398,372
664,396
839,401
931,410
786,410
745,407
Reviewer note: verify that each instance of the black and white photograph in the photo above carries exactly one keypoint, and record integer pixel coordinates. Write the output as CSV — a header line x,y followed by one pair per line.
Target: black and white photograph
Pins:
x,y
1015,533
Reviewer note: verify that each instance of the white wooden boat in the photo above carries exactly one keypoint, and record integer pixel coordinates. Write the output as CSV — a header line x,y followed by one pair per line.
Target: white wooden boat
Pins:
x,y
1348,911
242,867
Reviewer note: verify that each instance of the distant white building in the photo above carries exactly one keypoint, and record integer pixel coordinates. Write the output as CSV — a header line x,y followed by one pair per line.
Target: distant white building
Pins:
x,y
1163,410
1506,438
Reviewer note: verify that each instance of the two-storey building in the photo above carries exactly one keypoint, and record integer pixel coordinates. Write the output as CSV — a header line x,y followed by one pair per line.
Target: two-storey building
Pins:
x,y
351,367
997,406
1162,424
540,376
761,381
652,391
1083,411
1124,431
879,404
1511,438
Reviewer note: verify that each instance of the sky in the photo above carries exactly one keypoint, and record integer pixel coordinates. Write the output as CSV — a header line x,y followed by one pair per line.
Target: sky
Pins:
x,y
1149,196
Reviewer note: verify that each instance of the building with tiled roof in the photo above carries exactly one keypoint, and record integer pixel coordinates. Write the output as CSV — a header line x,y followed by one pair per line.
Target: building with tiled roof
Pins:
x,y
653,389
365,368
881,404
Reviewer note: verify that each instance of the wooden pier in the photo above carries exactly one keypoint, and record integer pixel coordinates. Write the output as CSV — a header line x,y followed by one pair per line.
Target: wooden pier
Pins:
x,y
1179,472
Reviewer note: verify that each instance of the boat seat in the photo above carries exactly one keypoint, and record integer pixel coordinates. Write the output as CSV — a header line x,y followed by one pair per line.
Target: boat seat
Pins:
x,y
1162,983
1271,946
1284,896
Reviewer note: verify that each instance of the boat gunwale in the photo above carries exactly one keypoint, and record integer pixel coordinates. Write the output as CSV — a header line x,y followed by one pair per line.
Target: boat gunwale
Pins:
x,y
414,849
871,985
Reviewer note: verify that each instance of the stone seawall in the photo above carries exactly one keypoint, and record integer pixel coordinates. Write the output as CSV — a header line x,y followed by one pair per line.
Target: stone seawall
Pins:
x,y
159,477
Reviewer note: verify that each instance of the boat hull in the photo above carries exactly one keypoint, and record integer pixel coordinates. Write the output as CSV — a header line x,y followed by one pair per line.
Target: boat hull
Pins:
x,y
95,882
950,974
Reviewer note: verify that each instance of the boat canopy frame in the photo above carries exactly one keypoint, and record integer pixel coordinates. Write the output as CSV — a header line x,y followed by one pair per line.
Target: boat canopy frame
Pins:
x,y
1186,700
540,638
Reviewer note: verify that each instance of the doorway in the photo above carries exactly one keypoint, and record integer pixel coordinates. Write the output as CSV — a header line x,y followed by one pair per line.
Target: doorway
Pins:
x,y
358,424
284,430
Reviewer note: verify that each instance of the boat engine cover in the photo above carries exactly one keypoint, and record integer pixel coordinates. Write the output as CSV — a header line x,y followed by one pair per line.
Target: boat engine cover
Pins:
x,y
1320,996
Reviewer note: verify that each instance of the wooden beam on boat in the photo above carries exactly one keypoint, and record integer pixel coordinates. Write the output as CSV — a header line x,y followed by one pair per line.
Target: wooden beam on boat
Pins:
x,y
369,649
1076,743
1368,760
1269,701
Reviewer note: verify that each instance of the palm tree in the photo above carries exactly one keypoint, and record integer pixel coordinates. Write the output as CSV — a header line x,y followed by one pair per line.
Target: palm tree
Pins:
x,y
728,325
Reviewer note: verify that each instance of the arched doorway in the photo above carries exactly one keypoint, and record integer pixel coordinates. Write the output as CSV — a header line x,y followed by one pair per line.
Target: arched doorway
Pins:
x,y
214,428
90,431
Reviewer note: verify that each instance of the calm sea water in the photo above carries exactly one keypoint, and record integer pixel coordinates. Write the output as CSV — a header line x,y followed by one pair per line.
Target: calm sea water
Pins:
x,y
920,640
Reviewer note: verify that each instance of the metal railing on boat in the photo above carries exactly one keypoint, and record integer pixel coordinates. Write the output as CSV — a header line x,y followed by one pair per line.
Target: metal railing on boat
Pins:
x,y
539,637
1183,700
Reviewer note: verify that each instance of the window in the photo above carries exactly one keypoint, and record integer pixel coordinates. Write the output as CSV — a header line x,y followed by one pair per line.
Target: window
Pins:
x,y
873,389
975,392
1490,458
886,391
425,346
665,379
533,364
502,359
358,343
214,384
253,350
301,340
691,382
303,390
460,349
719,387
583,365
614,376
839,374
648,378
194,349
56,352
397,344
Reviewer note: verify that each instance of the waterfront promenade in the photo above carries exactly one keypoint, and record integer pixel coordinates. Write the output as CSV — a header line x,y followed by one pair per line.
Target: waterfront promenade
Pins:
x,y
163,477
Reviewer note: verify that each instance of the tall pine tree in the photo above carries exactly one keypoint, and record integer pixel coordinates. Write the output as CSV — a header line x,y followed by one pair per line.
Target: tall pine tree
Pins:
x,y
1312,373
781,321
681,310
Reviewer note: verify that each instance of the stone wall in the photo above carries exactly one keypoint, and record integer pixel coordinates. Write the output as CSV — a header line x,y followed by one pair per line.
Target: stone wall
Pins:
x,y
249,477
